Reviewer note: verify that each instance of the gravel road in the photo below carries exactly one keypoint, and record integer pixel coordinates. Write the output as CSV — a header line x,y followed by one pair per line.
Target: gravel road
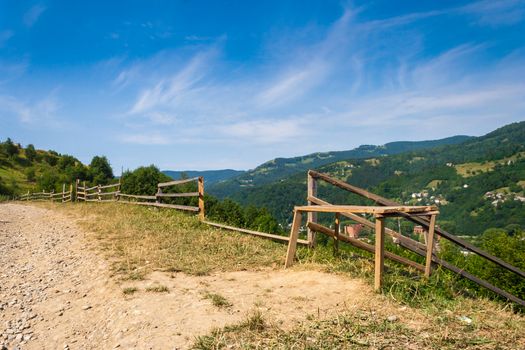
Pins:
x,y
57,292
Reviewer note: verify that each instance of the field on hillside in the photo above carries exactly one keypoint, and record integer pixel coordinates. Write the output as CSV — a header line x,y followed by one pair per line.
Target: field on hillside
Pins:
x,y
410,313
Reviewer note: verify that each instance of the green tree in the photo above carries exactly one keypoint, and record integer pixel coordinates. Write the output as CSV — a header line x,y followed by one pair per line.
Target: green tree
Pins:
x,y
30,152
142,180
100,170
10,148
228,212
48,180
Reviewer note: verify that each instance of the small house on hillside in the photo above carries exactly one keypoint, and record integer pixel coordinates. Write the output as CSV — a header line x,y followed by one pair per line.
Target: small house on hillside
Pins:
x,y
353,230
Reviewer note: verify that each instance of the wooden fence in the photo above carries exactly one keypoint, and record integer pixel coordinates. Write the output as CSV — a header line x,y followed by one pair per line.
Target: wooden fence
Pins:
x,y
163,192
64,196
427,221
100,193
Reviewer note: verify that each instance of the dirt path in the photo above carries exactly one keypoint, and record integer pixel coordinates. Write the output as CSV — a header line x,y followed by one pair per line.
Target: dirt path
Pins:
x,y
56,292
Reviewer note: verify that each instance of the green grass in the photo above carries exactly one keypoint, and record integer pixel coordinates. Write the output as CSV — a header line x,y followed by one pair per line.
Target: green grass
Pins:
x,y
470,169
218,300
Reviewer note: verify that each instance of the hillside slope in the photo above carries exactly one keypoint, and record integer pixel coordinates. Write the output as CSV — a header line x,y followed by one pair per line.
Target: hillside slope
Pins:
x,y
29,169
211,176
281,168
458,177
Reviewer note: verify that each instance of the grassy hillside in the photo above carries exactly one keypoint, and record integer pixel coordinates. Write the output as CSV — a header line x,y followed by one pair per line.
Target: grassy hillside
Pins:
x,y
282,168
25,169
455,177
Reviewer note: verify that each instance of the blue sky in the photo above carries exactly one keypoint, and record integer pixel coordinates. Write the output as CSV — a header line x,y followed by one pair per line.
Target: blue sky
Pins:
x,y
231,84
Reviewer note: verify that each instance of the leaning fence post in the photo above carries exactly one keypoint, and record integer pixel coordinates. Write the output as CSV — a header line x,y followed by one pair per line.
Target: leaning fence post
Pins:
x,y
430,245
200,183
311,216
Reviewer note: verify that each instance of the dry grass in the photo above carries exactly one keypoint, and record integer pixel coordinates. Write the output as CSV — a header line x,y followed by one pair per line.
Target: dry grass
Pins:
x,y
139,240
130,290
371,328
157,289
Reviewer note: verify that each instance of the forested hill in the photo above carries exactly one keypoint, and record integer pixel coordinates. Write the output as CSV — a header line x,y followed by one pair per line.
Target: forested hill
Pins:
x,y
211,176
477,184
281,168
28,169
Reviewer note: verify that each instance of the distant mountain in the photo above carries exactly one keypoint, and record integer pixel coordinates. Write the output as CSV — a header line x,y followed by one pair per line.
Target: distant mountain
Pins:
x,y
281,168
210,176
477,184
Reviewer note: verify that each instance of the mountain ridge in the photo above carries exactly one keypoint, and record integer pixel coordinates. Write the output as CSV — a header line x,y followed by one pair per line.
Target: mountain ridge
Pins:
x,y
281,168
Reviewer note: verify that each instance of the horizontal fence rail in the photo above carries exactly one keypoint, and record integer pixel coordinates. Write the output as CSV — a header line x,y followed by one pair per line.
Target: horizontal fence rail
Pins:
x,y
64,196
405,242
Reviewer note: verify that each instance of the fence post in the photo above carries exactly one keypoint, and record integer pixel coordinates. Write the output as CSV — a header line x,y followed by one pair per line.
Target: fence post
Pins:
x,y
312,216
117,197
71,193
63,191
159,191
201,198
98,192
76,191
430,245
379,252
85,192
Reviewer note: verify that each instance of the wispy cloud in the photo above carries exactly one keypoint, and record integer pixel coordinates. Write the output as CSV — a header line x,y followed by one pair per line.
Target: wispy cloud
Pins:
x,y
42,112
145,139
292,85
33,14
11,70
5,35
166,91
263,131
495,13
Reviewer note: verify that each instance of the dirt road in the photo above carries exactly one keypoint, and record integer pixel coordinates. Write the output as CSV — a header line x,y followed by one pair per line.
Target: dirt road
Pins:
x,y
56,291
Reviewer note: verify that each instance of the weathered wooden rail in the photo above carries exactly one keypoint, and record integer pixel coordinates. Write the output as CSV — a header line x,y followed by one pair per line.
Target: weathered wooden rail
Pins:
x,y
380,213
156,199
427,221
64,196
98,193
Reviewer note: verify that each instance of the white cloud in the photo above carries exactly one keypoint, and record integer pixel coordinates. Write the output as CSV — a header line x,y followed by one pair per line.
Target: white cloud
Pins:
x,y
292,85
145,139
33,14
352,80
166,91
263,131
494,13
42,112
161,118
